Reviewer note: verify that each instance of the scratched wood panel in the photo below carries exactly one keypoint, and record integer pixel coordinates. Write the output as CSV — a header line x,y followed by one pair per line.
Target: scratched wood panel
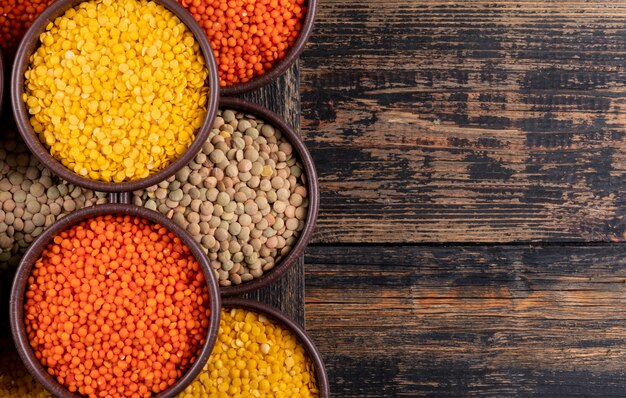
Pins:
x,y
468,121
469,321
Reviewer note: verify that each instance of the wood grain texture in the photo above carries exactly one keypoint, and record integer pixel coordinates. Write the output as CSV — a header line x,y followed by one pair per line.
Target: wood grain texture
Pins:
x,y
469,321
283,97
468,121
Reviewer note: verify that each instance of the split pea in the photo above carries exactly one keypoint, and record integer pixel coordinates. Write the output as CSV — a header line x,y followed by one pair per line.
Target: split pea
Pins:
x,y
255,357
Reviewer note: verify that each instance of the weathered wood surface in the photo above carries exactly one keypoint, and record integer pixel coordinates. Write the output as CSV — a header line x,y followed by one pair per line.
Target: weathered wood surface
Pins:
x,y
468,121
469,321
462,122
283,97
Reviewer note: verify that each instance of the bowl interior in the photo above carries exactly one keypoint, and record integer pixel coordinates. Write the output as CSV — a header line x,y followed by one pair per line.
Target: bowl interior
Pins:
x,y
33,254
303,337
31,42
281,66
312,188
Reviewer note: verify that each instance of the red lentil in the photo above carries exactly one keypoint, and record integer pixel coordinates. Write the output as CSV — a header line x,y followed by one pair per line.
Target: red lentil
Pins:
x,y
100,332
248,36
16,16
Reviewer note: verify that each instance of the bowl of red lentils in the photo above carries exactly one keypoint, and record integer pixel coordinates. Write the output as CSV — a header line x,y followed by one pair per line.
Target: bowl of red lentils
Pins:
x,y
114,96
254,42
250,197
260,352
114,300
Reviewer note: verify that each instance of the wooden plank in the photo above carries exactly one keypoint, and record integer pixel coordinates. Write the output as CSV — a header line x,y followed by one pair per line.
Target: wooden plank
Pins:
x,y
283,97
468,121
469,321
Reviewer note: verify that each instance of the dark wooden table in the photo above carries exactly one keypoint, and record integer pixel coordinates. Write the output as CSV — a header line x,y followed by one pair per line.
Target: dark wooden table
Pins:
x,y
472,162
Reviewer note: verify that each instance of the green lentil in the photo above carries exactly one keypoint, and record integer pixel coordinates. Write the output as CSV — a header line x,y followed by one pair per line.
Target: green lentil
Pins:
x,y
19,196
151,204
53,193
176,195
16,178
37,189
33,206
228,116
179,219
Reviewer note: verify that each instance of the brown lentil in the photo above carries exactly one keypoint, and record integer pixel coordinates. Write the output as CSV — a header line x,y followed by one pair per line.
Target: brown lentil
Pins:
x,y
41,203
238,211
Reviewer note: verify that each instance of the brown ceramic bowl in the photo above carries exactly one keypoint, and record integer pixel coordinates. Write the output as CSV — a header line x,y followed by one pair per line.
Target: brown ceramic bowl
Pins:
x,y
303,337
281,66
312,187
16,306
29,45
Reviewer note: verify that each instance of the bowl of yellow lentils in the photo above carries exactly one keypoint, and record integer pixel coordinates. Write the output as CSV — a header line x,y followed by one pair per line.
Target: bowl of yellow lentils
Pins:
x,y
260,352
115,95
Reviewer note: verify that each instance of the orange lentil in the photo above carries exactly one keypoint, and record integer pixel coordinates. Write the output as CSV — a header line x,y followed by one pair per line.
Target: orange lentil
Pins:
x,y
16,16
105,336
248,36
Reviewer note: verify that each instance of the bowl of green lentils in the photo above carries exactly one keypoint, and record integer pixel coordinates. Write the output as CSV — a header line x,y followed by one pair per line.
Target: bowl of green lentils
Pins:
x,y
250,197
114,96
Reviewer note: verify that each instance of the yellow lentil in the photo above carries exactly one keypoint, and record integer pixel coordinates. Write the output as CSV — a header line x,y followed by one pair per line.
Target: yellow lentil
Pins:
x,y
107,76
15,381
254,357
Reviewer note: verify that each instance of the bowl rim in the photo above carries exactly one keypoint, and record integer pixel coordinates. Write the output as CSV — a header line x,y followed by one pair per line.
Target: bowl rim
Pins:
x,y
31,42
1,83
280,67
313,194
20,281
305,339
